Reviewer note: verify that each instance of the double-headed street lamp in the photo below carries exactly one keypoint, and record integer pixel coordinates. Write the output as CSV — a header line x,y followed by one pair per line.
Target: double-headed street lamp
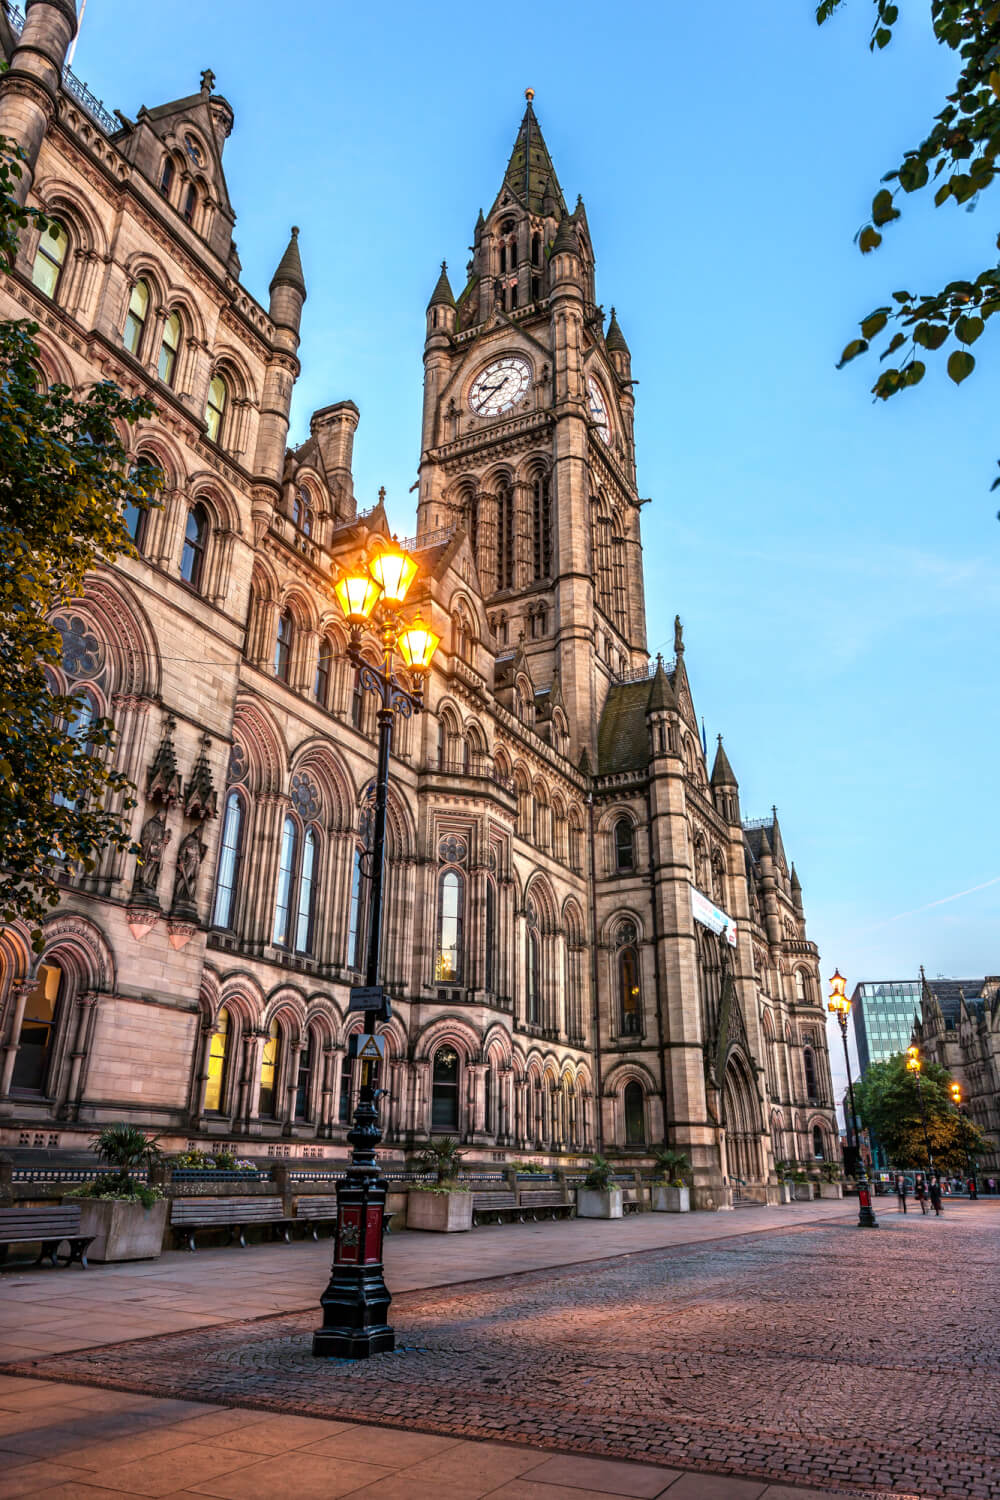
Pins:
x,y
913,1065
840,1006
955,1090
356,1301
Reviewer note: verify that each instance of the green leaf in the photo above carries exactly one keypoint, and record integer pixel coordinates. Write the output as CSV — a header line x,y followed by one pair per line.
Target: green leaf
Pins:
x,y
930,335
882,37
896,342
967,329
869,239
913,175
883,210
854,348
875,322
902,297
943,193
960,366
914,372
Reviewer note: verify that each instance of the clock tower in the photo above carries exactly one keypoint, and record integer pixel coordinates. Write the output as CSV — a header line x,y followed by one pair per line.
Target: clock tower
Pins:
x,y
527,441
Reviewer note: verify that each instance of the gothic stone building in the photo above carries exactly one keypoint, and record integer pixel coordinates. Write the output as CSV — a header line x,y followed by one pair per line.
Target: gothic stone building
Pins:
x,y
587,948
959,1027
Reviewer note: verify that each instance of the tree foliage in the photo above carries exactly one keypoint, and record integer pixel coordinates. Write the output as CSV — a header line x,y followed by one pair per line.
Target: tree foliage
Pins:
x,y
959,154
65,478
888,1103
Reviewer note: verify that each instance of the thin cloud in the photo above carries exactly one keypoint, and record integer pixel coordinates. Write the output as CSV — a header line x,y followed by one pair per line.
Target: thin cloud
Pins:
x,y
942,901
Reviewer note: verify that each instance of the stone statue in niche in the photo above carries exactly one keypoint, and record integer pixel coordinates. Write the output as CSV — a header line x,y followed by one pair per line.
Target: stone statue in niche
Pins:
x,y
189,858
153,840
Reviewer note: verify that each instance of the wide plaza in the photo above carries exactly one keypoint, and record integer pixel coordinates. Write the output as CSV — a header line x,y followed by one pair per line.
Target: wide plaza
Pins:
x,y
760,1353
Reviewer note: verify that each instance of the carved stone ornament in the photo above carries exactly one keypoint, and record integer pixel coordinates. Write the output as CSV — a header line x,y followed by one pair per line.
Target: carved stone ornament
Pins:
x,y
141,920
164,783
189,858
179,933
200,797
153,840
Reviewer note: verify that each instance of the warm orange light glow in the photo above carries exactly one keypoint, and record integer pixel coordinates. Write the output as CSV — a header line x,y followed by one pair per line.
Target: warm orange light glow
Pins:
x,y
913,1059
417,644
357,593
956,1092
393,570
838,1002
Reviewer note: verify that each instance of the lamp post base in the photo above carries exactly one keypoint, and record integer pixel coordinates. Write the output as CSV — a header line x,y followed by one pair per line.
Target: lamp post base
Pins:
x,y
866,1213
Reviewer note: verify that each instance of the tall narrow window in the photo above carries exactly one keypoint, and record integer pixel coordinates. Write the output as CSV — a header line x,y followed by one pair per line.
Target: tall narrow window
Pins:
x,y
34,1043
358,702
810,1070
629,994
357,925
534,1007
324,668
304,912
269,1071
215,408
505,537
800,986
169,344
50,257
227,880
303,1083
215,1086
635,1115
135,320
283,645
167,176
818,1151
490,974
135,517
195,542
302,513
448,966
444,1090
190,204
536,249
283,897
624,845
542,527
346,1089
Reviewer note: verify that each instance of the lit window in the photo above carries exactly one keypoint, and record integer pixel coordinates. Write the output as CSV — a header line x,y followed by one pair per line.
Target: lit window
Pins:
x,y
229,862
448,964
304,1081
34,1043
135,321
50,258
629,994
269,1060
215,407
195,541
167,362
217,1057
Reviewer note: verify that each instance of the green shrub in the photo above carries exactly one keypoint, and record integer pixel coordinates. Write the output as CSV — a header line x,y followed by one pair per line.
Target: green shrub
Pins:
x,y
442,1157
601,1175
673,1167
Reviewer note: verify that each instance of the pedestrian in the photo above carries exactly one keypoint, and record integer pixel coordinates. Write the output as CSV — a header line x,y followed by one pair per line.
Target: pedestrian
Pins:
x,y
921,1194
901,1192
936,1195
973,1193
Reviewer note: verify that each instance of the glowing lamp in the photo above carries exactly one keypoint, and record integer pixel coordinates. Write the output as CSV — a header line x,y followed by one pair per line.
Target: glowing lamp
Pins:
x,y
357,593
913,1059
956,1092
393,570
838,1003
417,644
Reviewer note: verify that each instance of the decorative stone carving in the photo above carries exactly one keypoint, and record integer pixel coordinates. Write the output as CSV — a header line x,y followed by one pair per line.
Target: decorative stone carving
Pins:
x,y
153,840
141,920
180,932
200,797
164,782
189,858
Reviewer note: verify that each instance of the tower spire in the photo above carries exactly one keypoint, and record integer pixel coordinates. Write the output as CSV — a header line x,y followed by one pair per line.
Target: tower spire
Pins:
x,y
530,171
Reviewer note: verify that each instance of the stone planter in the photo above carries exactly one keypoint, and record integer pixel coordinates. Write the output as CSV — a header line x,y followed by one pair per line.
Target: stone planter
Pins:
x,y
670,1200
784,1192
122,1231
802,1192
831,1190
441,1213
592,1203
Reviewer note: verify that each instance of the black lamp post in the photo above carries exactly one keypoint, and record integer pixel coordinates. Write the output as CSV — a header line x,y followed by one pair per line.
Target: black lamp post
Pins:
x,y
913,1065
356,1301
840,1006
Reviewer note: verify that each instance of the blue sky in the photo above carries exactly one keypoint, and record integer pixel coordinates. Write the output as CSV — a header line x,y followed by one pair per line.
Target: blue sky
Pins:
x,y
835,563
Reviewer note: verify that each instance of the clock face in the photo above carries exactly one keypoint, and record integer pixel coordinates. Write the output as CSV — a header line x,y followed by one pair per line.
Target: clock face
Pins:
x,y
598,409
500,386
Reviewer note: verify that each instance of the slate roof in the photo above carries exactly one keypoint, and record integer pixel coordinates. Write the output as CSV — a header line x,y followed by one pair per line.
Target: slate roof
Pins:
x,y
948,994
289,269
614,339
442,295
623,734
530,170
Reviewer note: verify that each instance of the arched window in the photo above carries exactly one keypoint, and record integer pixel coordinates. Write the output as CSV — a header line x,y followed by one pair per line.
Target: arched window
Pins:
x,y
303,1083
135,517
505,536
50,257
166,365
542,527
358,702
324,672
444,1090
135,320
818,1151
218,1057
304,905
451,899
269,1071
489,977
346,1090
286,874
195,543
624,845
635,1114
34,1043
357,922
629,993
283,645
230,858
534,1007
302,514
190,204
800,986
215,408
809,1065
167,176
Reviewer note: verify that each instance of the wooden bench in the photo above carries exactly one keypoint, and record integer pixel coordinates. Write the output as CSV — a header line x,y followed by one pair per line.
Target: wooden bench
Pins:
x,y
631,1200
546,1203
494,1205
50,1225
187,1215
317,1208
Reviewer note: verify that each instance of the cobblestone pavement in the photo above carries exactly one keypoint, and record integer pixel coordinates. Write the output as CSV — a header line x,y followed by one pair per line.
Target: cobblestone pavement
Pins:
x,y
822,1356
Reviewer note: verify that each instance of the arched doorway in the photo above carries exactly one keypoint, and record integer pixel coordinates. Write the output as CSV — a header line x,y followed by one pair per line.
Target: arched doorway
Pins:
x,y
740,1114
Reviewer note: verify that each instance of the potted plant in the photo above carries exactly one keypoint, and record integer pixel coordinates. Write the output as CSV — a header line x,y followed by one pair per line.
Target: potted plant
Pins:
x,y
802,1188
125,1216
671,1191
444,1205
783,1172
598,1198
830,1183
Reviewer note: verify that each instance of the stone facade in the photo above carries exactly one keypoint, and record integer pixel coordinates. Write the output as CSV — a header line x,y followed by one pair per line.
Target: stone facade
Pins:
x,y
554,822
959,1028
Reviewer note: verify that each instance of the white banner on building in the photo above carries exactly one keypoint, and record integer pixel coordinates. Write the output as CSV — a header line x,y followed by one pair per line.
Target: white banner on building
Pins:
x,y
710,916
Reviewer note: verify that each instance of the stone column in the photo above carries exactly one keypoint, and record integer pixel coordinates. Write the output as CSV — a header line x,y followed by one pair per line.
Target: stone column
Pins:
x,y
197,1101
85,1007
286,1107
21,990
523,563
486,530
326,1094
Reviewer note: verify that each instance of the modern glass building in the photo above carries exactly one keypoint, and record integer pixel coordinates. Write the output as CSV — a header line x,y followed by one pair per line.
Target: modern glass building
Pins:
x,y
883,1012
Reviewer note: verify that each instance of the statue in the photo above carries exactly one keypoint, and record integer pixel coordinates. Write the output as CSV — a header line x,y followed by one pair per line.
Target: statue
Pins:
x,y
189,858
678,636
153,840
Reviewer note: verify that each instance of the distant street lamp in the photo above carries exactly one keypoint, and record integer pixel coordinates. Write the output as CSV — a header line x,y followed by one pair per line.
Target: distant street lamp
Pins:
x,y
955,1090
913,1065
356,1301
840,1006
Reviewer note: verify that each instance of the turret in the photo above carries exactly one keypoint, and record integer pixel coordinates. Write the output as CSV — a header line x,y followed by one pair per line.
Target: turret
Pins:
x,y
725,787
288,287
288,292
660,707
441,310
616,346
333,428
796,892
29,90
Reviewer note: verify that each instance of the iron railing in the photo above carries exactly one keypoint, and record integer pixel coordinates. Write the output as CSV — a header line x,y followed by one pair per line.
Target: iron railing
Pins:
x,y
80,92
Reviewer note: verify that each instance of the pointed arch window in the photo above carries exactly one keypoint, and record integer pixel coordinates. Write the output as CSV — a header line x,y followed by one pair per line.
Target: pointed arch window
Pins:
x,y
818,1151
166,365
800,986
230,859
304,912
357,922
283,645
50,259
346,1090
490,973
324,672
270,1060
135,318
505,536
215,408
286,873
38,1027
534,975
190,204
448,964
302,514
303,1082
542,526
624,845
167,176
629,991
635,1114
195,544
536,249
809,1064
218,1059
444,1090
135,518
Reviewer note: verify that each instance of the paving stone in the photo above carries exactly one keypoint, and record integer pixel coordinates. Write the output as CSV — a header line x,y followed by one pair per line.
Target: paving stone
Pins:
x,y
604,1475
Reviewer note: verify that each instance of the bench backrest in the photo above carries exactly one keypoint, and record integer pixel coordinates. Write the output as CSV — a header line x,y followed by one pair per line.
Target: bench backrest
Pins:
x,y
43,1223
226,1210
317,1206
490,1199
542,1197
